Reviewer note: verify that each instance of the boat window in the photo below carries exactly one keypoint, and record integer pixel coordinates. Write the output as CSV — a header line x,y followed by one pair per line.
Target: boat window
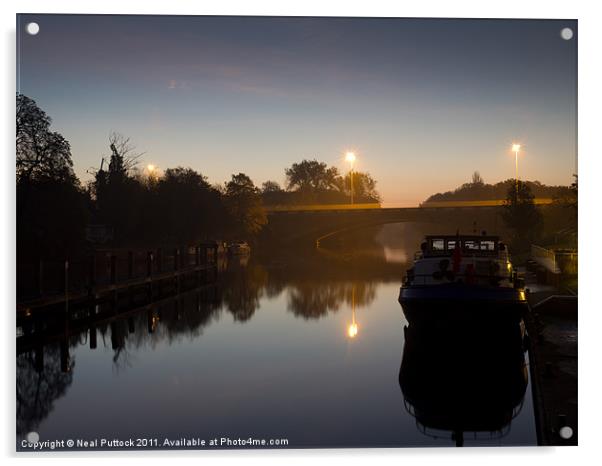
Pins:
x,y
438,245
487,245
471,245
451,244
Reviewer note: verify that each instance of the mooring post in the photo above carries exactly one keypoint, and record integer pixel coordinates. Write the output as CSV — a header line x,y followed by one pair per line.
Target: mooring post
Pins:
x,y
130,264
116,342
149,274
93,340
131,325
149,264
91,275
65,357
150,320
39,357
113,272
66,279
41,277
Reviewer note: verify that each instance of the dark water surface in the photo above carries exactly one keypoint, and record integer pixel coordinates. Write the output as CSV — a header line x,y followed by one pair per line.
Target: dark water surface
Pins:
x,y
269,355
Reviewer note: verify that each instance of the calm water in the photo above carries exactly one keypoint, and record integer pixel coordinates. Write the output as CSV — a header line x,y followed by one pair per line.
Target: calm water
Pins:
x,y
267,355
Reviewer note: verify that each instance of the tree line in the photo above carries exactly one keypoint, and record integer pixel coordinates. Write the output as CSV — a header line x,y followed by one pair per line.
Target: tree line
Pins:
x,y
134,208
478,190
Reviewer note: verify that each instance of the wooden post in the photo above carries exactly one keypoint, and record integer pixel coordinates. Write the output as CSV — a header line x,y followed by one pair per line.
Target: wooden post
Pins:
x,y
67,289
149,264
131,325
149,274
92,275
39,357
41,278
150,320
114,336
130,264
93,340
113,277
65,357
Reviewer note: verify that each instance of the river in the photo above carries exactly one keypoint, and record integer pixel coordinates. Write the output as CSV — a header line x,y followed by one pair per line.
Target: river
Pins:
x,y
308,350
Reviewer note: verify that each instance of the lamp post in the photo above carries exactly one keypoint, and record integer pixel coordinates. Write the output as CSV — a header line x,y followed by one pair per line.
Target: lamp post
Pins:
x,y
350,157
515,149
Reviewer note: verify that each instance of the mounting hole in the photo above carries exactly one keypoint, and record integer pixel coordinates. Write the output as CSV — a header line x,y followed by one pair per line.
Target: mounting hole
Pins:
x,y
566,432
32,28
566,33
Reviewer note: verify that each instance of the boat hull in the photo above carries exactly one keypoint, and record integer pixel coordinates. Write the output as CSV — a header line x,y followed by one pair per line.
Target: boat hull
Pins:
x,y
453,303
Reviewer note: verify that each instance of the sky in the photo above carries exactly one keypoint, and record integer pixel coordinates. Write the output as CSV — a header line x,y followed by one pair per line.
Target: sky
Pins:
x,y
423,103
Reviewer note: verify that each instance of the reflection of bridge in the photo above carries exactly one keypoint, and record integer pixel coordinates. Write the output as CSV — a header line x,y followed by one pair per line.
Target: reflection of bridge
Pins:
x,y
312,224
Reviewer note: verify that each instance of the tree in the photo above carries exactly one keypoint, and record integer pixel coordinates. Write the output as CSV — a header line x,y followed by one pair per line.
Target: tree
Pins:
x,y
118,194
244,205
186,207
41,153
574,191
273,194
477,179
364,187
51,206
522,215
311,175
270,187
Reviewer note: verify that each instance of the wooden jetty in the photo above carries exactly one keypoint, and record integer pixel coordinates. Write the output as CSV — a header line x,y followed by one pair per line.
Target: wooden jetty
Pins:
x,y
108,273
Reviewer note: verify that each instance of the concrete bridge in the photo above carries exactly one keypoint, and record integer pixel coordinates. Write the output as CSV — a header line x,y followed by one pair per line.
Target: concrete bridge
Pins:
x,y
312,224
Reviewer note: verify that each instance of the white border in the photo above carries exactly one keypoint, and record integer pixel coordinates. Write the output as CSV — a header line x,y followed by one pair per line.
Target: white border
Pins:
x,y
590,77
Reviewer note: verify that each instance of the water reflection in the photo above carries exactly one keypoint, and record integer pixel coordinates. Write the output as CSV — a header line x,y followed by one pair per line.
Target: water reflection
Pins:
x,y
272,339
463,383
40,382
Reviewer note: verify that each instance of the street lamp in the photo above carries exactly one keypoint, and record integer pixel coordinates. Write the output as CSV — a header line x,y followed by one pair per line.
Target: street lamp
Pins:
x,y
515,149
350,157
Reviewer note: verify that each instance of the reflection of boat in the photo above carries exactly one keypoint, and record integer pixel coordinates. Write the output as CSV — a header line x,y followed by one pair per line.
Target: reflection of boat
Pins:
x,y
239,248
460,383
454,276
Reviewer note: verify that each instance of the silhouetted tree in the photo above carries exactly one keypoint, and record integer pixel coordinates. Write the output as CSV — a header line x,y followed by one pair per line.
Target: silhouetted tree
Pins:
x,y
522,215
273,194
187,207
575,193
311,175
477,179
39,389
119,196
41,153
243,201
478,190
315,182
51,206
364,187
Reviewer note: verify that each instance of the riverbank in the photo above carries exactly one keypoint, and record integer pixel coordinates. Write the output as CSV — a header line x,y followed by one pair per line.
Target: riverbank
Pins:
x,y
552,327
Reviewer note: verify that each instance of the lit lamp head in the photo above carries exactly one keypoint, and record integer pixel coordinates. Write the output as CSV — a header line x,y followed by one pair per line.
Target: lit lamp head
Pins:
x,y
350,157
352,330
515,147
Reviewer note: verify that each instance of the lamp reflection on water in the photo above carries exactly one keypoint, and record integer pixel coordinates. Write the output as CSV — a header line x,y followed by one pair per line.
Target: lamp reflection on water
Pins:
x,y
353,328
